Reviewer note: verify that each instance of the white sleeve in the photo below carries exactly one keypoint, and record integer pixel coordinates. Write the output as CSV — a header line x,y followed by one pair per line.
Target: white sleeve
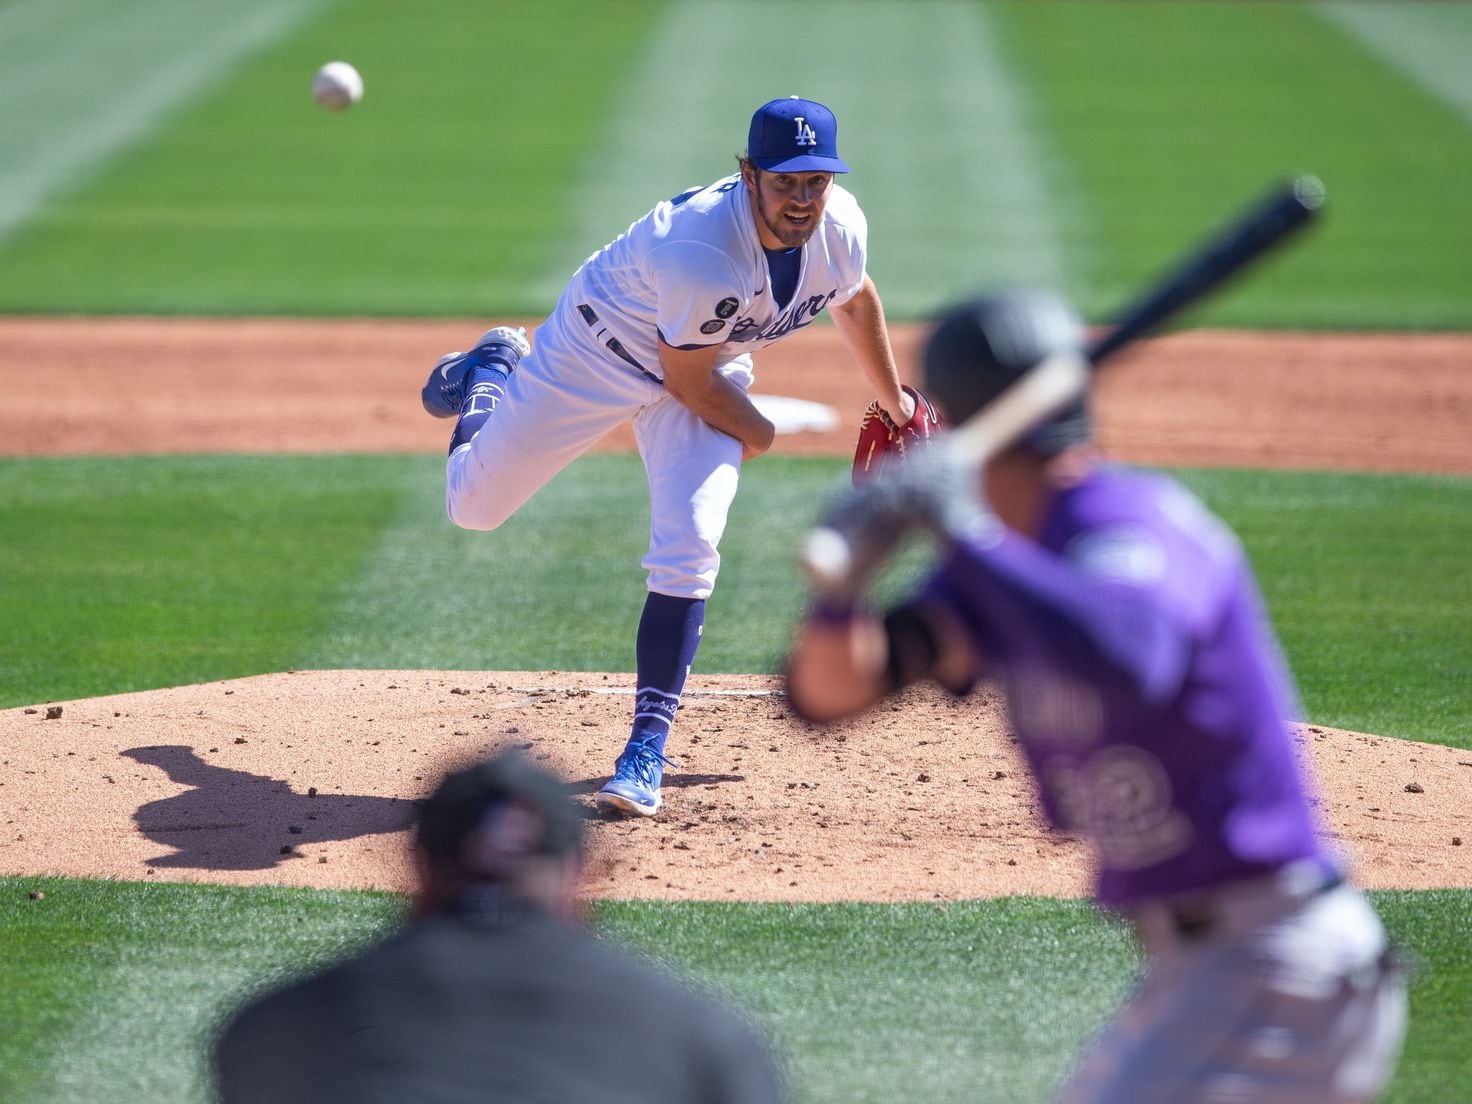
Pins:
x,y
697,290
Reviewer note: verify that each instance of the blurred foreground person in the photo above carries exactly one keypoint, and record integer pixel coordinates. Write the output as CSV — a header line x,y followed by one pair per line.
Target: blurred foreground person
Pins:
x,y
493,991
1122,622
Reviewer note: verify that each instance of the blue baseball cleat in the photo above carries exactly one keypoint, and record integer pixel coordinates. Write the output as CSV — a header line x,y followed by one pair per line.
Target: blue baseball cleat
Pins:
x,y
634,787
500,348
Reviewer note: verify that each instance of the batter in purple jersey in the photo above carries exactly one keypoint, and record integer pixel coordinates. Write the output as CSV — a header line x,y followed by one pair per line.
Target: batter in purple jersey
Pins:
x,y
1145,686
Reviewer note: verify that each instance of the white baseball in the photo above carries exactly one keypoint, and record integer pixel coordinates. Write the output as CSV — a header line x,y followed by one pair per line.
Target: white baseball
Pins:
x,y
337,85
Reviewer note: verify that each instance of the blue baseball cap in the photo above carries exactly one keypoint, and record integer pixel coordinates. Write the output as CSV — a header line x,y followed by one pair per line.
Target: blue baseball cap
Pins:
x,y
794,135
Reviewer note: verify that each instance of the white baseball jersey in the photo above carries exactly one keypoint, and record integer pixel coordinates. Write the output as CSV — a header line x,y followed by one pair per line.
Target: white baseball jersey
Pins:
x,y
693,272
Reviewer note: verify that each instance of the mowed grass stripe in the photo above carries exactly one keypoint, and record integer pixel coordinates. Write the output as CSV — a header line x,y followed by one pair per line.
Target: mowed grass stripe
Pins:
x,y
957,173
435,195
674,117
84,79
557,587
1176,116
956,1001
125,575
1368,583
128,1017
113,990
560,586
457,181
1364,577
1431,43
946,162
130,574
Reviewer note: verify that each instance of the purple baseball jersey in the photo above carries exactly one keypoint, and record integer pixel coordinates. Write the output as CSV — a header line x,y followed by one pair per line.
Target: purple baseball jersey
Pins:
x,y
1145,684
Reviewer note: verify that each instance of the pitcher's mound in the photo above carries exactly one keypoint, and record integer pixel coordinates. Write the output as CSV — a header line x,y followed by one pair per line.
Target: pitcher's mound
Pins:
x,y
312,778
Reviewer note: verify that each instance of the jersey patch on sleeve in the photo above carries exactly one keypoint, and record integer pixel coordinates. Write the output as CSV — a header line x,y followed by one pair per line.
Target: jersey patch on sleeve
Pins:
x,y
727,307
1119,553
715,325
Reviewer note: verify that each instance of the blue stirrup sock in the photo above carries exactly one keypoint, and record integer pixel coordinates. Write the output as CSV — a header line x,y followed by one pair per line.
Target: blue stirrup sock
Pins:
x,y
487,388
669,634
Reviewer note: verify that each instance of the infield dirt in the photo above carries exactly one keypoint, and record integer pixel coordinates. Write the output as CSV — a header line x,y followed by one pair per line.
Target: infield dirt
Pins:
x,y
310,778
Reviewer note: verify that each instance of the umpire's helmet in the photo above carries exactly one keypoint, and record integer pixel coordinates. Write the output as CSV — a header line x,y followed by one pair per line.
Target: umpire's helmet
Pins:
x,y
981,347
487,818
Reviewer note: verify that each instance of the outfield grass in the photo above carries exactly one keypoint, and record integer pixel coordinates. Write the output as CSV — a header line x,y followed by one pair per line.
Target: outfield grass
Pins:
x,y
1435,931
1369,583
1079,144
1171,115
437,195
153,571
112,989
124,574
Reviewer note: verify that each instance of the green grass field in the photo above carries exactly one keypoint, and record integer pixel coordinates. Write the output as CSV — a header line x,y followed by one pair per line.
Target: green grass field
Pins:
x,y
164,157
191,569
982,1000
1079,144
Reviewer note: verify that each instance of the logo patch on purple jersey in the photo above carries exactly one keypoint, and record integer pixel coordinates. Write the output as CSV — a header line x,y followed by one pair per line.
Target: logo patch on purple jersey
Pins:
x,y
1133,818
726,307
715,325
1119,553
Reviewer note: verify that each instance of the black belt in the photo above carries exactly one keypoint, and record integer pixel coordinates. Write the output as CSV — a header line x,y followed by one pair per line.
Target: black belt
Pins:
x,y
613,344
1198,921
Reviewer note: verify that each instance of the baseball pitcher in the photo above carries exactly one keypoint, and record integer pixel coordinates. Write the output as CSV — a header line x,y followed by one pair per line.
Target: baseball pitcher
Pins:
x,y
659,327
1144,683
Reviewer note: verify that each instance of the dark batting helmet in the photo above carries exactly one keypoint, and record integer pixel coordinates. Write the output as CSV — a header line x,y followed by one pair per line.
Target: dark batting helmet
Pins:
x,y
981,347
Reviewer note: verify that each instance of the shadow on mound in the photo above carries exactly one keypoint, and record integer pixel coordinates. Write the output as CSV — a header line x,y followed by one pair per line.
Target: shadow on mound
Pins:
x,y
235,820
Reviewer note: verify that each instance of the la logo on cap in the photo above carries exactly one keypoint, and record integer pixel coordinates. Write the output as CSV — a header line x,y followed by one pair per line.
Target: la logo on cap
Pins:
x,y
794,135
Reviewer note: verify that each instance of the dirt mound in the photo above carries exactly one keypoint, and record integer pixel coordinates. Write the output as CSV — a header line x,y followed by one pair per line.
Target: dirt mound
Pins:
x,y
1370,402
311,778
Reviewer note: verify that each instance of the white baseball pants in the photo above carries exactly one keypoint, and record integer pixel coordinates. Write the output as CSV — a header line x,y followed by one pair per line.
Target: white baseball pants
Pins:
x,y
1286,999
561,399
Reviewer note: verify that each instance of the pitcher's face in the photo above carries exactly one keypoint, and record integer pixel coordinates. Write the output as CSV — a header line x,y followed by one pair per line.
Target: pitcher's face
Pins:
x,y
787,206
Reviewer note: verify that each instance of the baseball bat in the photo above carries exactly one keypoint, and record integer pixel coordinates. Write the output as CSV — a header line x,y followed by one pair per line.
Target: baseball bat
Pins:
x,y
1206,268
827,553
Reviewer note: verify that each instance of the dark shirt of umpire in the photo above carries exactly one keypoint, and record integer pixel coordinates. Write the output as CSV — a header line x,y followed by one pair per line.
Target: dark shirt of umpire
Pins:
x,y
494,990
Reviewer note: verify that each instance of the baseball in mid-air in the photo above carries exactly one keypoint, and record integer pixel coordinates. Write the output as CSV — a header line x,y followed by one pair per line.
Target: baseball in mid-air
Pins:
x,y
337,85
